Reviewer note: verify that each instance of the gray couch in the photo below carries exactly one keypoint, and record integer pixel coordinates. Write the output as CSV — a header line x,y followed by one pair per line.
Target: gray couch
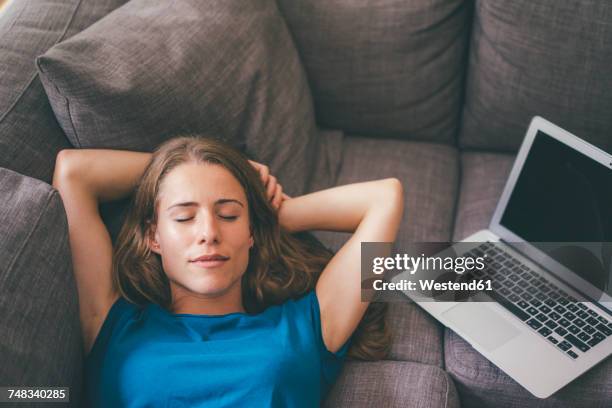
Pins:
x,y
436,93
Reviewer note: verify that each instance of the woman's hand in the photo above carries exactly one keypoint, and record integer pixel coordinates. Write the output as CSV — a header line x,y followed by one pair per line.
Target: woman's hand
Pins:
x,y
274,190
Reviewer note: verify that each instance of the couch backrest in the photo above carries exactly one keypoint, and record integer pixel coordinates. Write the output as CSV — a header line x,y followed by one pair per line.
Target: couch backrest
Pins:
x,y
30,136
390,68
538,57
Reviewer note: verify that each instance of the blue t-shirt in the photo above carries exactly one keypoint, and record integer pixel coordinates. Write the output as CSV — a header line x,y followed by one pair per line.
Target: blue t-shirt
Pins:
x,y
148,357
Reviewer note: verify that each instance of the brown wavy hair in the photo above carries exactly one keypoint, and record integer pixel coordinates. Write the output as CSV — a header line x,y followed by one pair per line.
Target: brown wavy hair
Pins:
x,y
281,265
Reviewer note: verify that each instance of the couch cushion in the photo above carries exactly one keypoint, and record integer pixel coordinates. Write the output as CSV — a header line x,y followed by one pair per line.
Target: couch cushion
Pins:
x,y
549,58
150,70
30,136
40,343
392,384
429,173
483,177
481,384
387,69
415,335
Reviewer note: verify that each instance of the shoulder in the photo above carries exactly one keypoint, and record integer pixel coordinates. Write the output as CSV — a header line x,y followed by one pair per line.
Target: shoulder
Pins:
x,y
306,309
120,312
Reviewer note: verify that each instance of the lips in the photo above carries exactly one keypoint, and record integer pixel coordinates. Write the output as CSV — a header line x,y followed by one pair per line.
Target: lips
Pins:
x,y
212,257
210,261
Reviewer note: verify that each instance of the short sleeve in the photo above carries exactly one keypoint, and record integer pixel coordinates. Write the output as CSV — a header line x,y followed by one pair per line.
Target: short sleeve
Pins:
x,y
331,363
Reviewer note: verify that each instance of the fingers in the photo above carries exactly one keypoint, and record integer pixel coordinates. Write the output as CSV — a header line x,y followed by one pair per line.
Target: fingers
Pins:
x,y
274,191
278,197
263,170
271,187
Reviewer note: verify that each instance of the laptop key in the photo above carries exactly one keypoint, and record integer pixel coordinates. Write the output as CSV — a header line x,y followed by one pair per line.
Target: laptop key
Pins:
x,y
572,354
553,340
584,337
544,331
518,312
577,343
522,304
559,309
564,322
526,296
564,345
532,311
604,329
554,315
535,302
596,339
592,313
582,314
534,324
601,319
541,296
582,306
545,309
560,331
550,303
569,316
579,322
572,307
551,325
592,321
542,317
588,329
573,329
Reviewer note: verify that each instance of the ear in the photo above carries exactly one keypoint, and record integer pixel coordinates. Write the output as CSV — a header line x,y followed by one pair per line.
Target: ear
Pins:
x,y
153,239
251,241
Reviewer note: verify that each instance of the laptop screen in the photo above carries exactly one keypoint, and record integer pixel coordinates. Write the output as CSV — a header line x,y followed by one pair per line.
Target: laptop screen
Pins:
x,y
561,195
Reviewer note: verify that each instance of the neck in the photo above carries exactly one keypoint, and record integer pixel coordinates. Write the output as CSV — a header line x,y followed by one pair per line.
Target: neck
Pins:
x,y
187,302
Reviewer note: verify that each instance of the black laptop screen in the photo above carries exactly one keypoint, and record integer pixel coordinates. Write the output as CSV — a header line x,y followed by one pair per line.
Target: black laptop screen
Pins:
x,y
561,195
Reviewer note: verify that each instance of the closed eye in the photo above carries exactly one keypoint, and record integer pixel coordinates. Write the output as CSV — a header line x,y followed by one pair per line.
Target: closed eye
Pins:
x,y
183,219
228,217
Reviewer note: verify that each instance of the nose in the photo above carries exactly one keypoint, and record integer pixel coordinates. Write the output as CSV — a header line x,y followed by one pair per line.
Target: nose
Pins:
x,y
208,230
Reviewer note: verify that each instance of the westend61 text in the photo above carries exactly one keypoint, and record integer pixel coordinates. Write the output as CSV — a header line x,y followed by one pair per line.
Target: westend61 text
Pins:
x,y
432,285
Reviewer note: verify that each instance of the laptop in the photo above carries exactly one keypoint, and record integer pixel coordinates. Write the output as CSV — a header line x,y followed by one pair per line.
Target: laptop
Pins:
x,y
548,320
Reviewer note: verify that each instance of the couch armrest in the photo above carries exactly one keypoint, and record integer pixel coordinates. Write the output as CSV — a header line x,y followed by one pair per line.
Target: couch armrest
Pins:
x,y
39,320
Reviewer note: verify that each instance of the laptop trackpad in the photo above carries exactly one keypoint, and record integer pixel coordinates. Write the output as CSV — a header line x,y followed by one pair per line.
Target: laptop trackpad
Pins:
x,y
481,324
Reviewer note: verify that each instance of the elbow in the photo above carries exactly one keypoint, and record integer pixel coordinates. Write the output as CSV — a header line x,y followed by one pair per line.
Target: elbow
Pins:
x,y
65,167
395,193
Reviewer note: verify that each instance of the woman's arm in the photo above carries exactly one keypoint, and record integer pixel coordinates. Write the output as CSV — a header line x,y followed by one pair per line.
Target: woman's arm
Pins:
x,y
106,174
373,210
84,178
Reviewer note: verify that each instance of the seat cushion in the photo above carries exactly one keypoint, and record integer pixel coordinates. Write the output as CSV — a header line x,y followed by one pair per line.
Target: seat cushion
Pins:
x,y
392,384
481,384
483,176
152,70
429,173
548,57
41,342
30,136
415,335
384,68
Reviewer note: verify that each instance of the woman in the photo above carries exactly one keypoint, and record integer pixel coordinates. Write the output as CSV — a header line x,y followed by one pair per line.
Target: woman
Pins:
x,y
208,299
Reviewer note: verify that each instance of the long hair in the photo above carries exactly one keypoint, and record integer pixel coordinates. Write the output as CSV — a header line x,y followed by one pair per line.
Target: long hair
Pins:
x,y
281,265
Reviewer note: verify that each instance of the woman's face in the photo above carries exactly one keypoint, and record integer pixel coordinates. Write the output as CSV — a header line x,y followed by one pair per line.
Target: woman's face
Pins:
x,y
202,212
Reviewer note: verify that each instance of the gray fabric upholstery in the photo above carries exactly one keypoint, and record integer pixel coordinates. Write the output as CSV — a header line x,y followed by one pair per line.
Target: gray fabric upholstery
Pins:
x,y
151,70
385,69
40,343
483,176
481,384
392,384
30,136
429,173
547,57
416,336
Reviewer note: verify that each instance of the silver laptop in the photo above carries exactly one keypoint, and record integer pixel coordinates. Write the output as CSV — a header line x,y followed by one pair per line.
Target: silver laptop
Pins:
x,y
549,319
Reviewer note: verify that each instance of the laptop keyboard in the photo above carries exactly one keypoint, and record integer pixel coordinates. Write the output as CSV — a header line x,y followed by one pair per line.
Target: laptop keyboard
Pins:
x,y
571,326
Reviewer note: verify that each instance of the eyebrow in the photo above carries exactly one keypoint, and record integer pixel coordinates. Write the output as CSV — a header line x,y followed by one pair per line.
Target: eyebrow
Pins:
x,y
194,204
